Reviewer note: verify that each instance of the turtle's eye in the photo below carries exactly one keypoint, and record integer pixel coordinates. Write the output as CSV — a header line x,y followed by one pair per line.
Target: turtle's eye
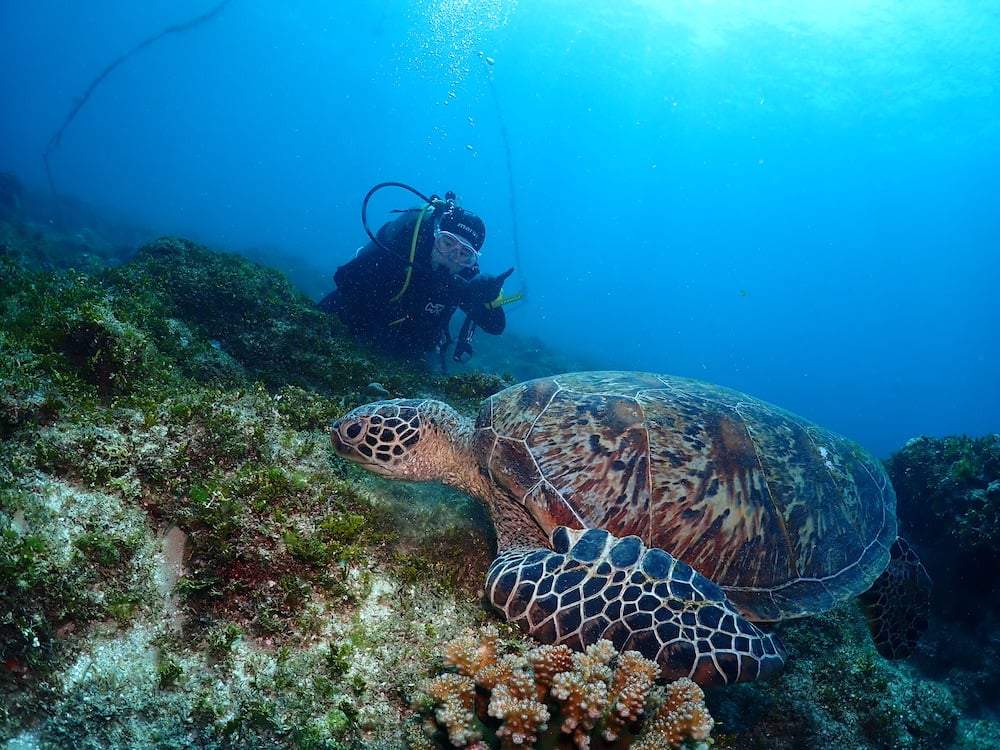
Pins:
x,y
352,430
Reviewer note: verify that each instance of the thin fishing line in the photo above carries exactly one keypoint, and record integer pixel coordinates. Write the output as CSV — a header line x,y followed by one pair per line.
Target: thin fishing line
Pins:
x,y
510,172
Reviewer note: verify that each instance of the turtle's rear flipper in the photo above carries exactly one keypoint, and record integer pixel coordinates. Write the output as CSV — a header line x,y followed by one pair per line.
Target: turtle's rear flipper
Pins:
x,y
593,585
898,603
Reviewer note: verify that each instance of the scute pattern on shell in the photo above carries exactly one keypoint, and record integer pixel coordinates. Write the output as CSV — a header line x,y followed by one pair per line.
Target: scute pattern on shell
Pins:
x,y
787,517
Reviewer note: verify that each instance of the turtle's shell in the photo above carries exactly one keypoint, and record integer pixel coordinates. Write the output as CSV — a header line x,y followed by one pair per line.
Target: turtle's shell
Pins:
x,y
787,517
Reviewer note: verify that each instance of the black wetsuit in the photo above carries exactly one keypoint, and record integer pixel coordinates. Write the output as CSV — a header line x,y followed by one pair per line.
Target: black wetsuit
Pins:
x,y
368,300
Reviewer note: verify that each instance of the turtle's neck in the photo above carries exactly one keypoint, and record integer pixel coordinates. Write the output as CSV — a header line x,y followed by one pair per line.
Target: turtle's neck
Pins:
x,y
458,464
447,446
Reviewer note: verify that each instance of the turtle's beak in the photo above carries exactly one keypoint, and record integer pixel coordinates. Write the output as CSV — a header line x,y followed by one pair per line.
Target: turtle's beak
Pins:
x,y
338,444
343,434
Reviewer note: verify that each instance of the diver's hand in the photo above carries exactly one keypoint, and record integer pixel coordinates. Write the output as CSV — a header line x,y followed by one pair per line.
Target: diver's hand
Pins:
x,y
483,289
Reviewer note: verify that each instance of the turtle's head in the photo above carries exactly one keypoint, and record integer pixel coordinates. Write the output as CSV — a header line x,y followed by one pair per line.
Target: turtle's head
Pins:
x,y
411,439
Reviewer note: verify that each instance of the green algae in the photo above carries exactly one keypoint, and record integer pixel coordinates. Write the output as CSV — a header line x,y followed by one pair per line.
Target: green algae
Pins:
x,y
108,403
191,390
251,313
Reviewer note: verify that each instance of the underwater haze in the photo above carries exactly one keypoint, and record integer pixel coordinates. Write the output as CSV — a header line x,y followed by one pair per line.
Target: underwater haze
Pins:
x,y
795,199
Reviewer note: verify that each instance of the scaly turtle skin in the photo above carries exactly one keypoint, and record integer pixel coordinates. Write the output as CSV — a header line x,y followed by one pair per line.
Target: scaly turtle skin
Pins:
x,y
664,514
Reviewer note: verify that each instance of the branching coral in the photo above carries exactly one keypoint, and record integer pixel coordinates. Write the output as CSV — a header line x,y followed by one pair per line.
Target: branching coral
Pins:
x,y
550,697
630,687
682,720
522,717
455,694
584,691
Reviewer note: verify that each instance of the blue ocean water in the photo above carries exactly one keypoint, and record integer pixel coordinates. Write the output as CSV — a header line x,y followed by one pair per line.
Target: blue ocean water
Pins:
x,y
797,200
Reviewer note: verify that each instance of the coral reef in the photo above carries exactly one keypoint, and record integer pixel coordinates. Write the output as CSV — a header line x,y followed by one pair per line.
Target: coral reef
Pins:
x,y
551,697
950,487
174,540
949,502
952,476
836,691
182,564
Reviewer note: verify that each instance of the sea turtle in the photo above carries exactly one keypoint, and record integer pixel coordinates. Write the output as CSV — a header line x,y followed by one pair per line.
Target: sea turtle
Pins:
x,y
664,514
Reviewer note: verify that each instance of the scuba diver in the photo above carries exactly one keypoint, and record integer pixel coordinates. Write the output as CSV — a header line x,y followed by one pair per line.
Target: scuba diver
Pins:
x,y
399,292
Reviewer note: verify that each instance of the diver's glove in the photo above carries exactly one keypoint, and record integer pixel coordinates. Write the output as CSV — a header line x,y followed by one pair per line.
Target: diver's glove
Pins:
x,y
483,289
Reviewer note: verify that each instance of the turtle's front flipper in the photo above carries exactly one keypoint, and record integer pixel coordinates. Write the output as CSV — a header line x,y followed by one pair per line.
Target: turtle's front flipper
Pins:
x,y
899,603
593,585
